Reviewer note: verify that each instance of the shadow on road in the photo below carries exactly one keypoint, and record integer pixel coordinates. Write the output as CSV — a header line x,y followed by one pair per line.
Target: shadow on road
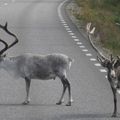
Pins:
x,y
80,116
31,105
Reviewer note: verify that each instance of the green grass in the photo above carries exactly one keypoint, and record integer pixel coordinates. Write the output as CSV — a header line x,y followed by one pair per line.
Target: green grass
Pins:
x,y
103,14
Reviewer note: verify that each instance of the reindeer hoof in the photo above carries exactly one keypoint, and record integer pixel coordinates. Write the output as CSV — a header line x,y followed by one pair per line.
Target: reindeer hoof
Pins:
x,y
59,103
26,102
68,104
114,115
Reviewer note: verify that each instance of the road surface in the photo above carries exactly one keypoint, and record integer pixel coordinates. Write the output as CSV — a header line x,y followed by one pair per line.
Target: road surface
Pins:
x,y
43,27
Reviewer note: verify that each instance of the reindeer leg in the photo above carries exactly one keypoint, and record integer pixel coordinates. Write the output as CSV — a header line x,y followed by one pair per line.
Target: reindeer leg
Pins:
x,y
115,102
64,89
27,100
69,93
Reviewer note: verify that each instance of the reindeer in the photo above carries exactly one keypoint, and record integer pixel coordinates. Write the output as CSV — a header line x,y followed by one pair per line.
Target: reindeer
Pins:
x,y
30,66
113,68
113,76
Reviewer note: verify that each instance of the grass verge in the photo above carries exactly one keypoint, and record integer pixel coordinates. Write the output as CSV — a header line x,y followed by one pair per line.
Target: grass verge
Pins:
x,y
104,14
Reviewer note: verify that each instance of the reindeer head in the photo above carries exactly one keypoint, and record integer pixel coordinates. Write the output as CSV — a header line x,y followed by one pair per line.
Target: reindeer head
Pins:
x,y
2,55
110,65
105,62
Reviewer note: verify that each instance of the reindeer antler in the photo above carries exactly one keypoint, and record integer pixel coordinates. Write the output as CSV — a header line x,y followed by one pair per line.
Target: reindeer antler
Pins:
x,y
5,48
6,45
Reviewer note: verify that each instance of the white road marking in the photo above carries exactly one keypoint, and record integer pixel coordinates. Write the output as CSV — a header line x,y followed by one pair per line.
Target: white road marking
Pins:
x,y
84,50
62,21
79,43
69,31
71,34
82,46
76,40
66,26
106,77
88,54
103,70
5,3
74,37
93,59
97,64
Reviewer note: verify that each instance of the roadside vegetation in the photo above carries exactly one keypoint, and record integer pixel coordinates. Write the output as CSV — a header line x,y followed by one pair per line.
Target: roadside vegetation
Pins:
x,y
105,15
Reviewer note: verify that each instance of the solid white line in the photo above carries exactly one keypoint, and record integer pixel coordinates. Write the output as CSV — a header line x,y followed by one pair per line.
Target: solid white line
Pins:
x,y
59,10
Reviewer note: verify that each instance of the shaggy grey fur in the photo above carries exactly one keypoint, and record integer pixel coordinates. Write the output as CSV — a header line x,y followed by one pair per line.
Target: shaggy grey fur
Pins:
x,y
30,66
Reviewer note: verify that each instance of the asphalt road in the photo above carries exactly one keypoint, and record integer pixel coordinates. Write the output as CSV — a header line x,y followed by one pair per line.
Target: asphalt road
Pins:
x,y
43,27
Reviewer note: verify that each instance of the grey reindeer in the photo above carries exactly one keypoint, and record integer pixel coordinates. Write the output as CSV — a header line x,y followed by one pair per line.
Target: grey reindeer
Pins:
x,y
30,66
113,75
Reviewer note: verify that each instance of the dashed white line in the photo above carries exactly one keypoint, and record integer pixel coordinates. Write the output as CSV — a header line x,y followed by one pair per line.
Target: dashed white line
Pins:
x,y
93,59
66,26
5,3
71,34
106,77
82,46
63,22
97,64
74,37
88,54
79,43
103,70
68,29
84,50
76,40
